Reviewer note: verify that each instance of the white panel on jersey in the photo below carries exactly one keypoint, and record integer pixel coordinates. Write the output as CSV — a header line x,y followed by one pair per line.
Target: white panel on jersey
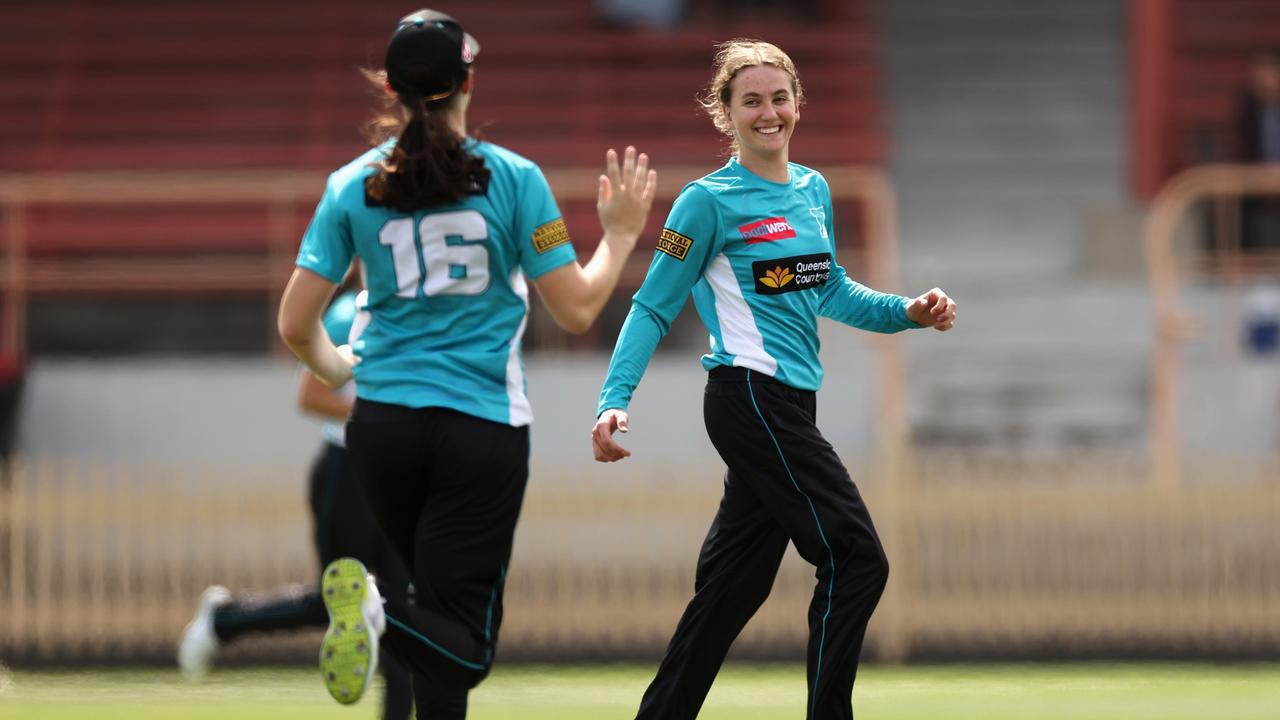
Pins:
x,y
517,401
738,329
361,321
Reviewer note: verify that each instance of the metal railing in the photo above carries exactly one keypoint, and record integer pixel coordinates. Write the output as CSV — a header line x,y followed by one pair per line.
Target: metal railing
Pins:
x,y
1226,184
280,193
1069,557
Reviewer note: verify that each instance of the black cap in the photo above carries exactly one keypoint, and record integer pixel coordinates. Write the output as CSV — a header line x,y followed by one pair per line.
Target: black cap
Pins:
x,y
428,55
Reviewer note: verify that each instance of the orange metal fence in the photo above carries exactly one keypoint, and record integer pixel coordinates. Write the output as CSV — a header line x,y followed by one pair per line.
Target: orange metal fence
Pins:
x,y
989,556
279,194
1226,185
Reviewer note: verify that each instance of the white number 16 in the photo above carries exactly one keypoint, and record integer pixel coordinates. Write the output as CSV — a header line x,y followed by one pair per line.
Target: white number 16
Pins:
x,y
452,269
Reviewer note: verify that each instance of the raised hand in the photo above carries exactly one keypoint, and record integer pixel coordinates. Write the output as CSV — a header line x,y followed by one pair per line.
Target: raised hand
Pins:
x,y
625,195
933,309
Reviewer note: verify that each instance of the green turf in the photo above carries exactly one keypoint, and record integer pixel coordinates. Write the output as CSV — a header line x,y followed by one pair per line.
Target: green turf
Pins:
x,y
1005,692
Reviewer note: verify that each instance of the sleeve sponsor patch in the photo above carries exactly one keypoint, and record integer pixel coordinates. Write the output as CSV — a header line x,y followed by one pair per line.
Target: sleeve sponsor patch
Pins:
x,y
674,244
552,235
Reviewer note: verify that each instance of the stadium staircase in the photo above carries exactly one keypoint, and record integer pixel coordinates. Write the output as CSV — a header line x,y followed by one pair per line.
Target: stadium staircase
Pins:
x,y
1009,131
1008,126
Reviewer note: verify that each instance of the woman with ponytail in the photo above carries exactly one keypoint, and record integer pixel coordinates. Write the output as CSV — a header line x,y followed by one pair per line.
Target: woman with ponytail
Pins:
x,y
448,228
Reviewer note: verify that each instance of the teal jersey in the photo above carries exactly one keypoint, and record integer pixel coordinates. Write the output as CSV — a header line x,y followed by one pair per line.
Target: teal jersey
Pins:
x,y
343,322
447,299
759,258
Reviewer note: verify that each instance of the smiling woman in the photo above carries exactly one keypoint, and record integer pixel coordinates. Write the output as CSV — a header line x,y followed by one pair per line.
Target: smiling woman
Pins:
x,y
755,244
760,121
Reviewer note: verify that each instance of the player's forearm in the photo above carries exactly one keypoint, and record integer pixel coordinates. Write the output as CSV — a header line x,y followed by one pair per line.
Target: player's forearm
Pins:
x,y
319,399
313,348
604,269
636,344
577,303
861,307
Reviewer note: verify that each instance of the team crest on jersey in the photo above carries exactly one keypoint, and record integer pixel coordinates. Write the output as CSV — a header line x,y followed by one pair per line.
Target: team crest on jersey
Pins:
x,y
788,274
767,230
552,235
674,244
820,216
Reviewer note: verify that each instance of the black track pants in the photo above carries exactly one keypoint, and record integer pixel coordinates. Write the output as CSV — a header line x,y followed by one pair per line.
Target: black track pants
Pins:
x,y
446,488
343,527
784,484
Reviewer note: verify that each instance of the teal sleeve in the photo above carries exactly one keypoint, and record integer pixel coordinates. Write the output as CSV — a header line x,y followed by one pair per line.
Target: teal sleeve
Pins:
x,y
852,303
327,247
686,245
636,343
540,233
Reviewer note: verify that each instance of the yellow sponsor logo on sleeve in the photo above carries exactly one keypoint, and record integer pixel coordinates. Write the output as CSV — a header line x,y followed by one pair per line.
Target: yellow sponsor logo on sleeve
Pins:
x,y
552,235
674,244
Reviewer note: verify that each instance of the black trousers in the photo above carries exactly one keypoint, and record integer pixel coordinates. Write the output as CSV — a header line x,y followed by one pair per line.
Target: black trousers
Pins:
x,y
446,488
784,484
343,527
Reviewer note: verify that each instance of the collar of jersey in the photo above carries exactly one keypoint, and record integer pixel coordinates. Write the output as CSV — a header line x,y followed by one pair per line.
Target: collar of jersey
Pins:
x,y
756,179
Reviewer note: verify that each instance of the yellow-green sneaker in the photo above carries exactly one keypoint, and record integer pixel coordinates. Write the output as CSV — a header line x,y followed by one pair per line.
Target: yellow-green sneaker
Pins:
x,y
349,654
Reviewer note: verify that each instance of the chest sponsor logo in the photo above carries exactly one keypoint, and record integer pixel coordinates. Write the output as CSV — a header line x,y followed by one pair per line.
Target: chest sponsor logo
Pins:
x,y
767,230
674,244
552,235
788,274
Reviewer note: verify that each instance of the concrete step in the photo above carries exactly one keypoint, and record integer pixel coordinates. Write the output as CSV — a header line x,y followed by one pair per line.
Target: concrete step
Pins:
x,y
1002,97
1028,135
972,10
1022,318
1035,400
1064,157
920,62
920,184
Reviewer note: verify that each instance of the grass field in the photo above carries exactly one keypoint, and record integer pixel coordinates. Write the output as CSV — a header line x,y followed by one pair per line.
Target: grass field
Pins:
x,y
1004,692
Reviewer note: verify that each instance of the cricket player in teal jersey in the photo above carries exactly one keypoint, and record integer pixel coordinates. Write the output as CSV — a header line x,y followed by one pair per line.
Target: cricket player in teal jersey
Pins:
x,y
447,228
754,243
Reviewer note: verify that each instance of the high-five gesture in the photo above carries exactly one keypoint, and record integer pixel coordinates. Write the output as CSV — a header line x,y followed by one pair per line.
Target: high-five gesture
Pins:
x,y
933,310
575,294
625,195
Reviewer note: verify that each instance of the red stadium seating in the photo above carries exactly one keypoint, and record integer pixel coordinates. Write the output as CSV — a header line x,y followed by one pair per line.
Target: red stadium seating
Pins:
x,y
240,84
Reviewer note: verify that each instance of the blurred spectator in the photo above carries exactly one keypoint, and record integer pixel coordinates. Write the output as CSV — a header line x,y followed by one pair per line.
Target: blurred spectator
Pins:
x,y
12,374
1262,320
659,14
1258,128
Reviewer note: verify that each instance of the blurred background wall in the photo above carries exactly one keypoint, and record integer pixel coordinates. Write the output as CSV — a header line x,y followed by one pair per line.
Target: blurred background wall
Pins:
x,y
160,161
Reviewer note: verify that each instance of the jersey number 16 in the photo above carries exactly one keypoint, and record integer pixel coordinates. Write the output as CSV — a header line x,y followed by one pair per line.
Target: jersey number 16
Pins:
x,y
450,249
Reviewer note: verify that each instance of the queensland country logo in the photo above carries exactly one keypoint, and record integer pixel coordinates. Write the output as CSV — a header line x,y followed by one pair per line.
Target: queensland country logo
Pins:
x,y
552,235
767,230
777,277
674,244
788,274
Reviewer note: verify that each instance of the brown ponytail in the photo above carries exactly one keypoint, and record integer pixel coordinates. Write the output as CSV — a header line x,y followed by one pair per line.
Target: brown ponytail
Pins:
x,y
428,165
